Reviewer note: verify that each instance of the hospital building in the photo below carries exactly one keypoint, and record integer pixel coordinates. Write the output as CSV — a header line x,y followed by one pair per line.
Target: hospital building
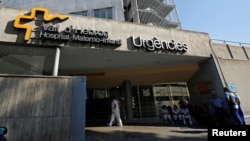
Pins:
x,y
135,50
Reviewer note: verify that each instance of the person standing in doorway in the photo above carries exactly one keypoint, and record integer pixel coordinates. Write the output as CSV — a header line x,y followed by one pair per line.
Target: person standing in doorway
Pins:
x,y
115,109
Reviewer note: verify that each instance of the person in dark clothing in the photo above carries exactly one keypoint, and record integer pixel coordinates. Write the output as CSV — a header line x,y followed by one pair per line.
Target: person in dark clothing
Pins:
x,y
219,107
233,101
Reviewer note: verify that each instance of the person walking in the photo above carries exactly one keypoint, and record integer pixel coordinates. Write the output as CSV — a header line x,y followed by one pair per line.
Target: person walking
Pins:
x,y
233,100
115,109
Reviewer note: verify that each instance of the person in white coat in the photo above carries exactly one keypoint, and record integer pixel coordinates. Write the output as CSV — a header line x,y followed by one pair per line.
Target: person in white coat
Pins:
x,y
115,109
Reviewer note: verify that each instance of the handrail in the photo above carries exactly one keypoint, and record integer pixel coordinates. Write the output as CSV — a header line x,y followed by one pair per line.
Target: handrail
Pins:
x,y
231,42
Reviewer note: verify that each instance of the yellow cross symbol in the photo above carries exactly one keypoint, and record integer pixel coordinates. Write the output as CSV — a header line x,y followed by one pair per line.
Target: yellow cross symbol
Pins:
x,y
46,17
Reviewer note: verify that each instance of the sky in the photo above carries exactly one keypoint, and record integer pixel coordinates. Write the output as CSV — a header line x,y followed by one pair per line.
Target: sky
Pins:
x,y
222,19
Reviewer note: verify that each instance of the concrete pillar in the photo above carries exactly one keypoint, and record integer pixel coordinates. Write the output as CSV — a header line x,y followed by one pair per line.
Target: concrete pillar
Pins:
x,y
78,109
128,99
56,64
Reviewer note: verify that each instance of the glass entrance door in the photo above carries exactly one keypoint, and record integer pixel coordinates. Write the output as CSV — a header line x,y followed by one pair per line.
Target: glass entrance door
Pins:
x,y
148,99
98,105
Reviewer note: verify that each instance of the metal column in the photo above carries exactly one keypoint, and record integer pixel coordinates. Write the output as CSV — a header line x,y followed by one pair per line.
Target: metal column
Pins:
x,y
56,64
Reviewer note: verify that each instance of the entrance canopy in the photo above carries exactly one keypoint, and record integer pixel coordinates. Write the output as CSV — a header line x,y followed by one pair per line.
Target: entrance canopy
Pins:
x,y
108,68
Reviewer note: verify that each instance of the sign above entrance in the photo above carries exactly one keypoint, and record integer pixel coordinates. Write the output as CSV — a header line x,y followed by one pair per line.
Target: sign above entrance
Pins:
x,y
70,33
156,44
46,17
76,34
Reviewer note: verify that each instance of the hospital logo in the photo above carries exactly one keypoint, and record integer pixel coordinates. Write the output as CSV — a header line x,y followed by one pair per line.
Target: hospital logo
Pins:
x,y
31,16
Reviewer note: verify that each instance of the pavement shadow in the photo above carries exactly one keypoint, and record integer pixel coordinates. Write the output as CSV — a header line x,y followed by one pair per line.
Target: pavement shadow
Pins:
x,y
136,136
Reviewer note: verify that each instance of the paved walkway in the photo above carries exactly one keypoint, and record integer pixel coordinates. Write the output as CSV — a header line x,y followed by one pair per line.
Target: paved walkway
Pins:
x,y
155,131
146,133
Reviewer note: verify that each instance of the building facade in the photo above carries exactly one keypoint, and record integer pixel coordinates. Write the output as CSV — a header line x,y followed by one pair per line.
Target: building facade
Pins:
x,y
144,66
152,12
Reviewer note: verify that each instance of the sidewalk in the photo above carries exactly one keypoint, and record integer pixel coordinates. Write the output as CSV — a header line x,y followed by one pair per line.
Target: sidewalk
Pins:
x,y
154,131
146,132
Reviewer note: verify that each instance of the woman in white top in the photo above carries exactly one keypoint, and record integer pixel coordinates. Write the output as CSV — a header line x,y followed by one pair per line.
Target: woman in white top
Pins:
x,y
186,115
176,113
165,114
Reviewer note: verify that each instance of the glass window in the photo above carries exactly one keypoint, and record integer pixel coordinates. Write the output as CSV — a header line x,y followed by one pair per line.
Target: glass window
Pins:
x,y
96,13
100,93
148,99
77,13
81,13
84,13
105,13
109,13
25,60
102,13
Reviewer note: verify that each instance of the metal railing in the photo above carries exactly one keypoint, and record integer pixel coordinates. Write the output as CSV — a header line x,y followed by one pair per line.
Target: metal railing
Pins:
x,y
240,44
